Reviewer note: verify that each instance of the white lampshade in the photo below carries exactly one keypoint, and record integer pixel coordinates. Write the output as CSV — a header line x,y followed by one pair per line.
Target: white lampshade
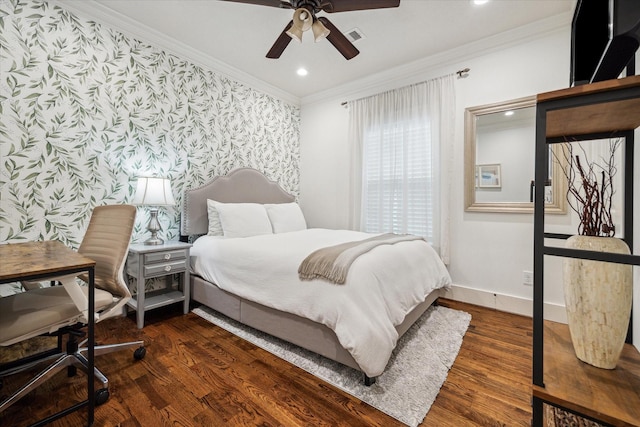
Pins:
x,y
154,191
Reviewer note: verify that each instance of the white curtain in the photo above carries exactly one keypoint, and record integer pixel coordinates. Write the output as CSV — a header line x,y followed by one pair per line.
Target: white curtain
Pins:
x,y
401,161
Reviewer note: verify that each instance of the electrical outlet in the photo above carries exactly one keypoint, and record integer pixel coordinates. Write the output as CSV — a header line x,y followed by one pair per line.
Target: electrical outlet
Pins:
x,y
527,278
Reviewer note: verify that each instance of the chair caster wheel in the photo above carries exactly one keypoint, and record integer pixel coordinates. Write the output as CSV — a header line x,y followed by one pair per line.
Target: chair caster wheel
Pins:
x,y
102,396
139,353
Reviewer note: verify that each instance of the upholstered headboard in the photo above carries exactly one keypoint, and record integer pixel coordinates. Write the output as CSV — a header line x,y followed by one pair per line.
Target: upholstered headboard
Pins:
x,y
243,185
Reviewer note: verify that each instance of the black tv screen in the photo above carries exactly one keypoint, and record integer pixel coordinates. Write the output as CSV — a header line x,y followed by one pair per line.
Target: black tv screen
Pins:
x,y
605,34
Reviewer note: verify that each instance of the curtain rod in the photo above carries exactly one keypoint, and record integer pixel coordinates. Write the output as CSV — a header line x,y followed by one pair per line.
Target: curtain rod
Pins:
x,y
461,75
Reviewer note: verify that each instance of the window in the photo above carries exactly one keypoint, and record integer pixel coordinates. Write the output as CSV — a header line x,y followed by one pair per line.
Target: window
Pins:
x,y
400,161
397,193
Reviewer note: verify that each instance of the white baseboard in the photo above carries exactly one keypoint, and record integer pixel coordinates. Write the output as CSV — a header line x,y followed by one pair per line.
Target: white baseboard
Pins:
x,y
507,303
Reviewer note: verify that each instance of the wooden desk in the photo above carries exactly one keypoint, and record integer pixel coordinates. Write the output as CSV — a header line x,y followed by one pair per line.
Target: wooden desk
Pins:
x,y
40,260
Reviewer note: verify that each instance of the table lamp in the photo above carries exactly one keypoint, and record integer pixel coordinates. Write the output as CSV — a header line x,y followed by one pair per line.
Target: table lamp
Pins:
x,y
154,192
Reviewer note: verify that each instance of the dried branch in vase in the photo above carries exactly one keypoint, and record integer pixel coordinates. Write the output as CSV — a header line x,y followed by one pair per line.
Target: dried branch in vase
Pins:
x,y
590,189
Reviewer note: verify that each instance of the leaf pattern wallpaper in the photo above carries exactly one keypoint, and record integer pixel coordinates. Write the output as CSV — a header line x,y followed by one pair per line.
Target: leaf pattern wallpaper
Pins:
x,y
85,110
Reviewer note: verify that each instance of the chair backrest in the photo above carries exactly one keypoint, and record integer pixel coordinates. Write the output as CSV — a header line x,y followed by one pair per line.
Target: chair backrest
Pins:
x,y
106,241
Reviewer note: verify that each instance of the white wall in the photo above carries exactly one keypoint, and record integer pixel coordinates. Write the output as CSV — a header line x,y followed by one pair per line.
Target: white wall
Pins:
x,y
489,251
324,164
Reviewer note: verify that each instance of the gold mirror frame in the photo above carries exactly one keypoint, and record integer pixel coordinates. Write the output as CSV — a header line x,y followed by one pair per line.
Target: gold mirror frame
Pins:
x,y
558,204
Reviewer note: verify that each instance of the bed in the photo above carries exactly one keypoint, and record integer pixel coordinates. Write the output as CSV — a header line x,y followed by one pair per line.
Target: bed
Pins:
x,y
259,294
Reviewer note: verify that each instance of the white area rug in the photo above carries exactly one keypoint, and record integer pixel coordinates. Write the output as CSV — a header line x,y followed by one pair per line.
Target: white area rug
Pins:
x,y
413,377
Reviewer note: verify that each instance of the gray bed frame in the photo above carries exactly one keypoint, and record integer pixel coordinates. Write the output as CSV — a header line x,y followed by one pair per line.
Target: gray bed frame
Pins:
x,y
246,185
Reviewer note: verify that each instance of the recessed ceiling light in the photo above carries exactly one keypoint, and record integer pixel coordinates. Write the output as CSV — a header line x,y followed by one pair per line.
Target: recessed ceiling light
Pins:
x,y
508,113
479,2
302,72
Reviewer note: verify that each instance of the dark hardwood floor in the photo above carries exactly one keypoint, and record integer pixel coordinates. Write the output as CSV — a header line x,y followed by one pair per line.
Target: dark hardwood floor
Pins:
x,y
196,374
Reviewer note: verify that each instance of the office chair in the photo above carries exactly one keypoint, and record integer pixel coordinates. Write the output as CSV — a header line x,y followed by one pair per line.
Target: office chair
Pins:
x,y
63,310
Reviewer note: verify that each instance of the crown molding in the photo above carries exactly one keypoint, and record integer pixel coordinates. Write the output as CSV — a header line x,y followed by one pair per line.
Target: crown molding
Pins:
x,y
415,71
93,10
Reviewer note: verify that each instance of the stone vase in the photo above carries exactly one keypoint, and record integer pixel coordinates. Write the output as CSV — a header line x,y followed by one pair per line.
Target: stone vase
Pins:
x,y
598,297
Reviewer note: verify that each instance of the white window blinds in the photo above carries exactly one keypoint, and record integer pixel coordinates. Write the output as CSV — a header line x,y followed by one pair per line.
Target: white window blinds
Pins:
x,y
397,194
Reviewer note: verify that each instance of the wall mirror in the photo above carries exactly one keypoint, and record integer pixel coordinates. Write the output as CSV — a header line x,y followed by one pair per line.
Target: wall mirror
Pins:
x,y
500,160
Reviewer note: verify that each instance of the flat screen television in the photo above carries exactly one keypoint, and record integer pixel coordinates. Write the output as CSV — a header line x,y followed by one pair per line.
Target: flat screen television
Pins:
x,y
605,35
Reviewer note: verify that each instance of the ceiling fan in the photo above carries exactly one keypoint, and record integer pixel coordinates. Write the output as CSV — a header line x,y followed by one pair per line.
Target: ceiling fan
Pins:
x,y
304,18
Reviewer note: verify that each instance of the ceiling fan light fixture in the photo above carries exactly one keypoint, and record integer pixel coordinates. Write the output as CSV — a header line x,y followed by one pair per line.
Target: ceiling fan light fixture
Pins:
x,y
302,18
295,33
319,31
302,21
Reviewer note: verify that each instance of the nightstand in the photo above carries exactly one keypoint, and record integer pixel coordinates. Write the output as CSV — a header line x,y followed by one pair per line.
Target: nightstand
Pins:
x,y
152,261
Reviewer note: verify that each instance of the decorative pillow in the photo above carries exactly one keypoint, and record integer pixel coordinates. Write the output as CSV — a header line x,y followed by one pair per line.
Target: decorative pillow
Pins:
x,y
286,217
215,228
243,219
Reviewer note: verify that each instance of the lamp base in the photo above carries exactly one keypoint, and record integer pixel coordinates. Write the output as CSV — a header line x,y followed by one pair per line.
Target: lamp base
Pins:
x,y
154,241
154,227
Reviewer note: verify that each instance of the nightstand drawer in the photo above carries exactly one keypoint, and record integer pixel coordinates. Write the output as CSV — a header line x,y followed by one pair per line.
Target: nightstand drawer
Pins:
x,y
164,268
163,256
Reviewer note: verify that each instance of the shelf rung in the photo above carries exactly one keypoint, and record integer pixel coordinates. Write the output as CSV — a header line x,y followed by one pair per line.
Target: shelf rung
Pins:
x,y
592,255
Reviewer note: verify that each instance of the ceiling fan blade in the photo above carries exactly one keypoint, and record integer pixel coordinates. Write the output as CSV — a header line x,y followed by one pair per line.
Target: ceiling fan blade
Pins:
x,y
281,43
331,6
338,40
272,3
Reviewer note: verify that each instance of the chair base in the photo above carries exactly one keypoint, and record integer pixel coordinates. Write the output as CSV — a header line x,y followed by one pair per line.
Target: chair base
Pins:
x,y
71,359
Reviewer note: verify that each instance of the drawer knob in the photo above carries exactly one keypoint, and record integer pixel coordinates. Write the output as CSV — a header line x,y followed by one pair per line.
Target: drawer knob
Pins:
x,y
167,256
167,268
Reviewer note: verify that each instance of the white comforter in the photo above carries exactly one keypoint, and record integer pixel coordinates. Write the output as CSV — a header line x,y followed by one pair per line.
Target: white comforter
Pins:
x,y
382,286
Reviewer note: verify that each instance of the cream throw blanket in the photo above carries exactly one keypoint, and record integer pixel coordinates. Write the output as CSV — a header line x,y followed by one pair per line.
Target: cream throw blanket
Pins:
x,y
332,263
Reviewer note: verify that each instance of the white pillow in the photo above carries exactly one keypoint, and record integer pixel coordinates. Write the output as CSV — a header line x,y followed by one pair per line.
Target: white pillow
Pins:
x,y
215,228
243,219
286,217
